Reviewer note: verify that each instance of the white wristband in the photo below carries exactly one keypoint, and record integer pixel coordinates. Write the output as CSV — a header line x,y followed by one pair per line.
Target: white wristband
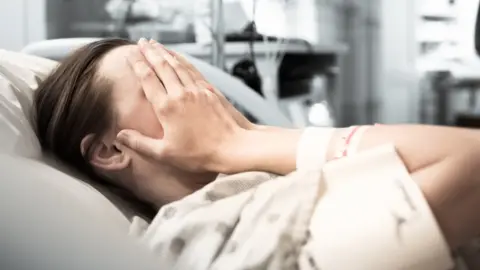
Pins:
x,y
312,148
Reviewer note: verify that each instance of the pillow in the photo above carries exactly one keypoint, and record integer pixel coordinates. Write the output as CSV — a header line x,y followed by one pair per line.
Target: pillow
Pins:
x,y
19,77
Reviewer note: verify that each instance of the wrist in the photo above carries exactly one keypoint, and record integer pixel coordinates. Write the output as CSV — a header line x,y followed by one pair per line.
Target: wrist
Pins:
x,y
269,149
225,159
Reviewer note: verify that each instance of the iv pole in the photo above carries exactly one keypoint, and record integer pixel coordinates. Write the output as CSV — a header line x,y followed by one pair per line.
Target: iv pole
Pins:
x,y
218,34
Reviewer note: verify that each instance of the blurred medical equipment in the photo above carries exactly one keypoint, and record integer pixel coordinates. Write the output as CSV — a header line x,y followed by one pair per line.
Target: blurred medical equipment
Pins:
x,y
451,72
317,22
261,70
218,30
165,21
307,89
171,22
246,69
141,10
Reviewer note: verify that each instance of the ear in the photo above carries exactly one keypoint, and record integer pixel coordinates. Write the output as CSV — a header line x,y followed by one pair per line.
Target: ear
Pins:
x,y
107,154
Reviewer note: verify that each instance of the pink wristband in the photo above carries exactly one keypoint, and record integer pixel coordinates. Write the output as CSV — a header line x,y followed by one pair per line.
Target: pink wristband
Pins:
x,y
351,141
346,141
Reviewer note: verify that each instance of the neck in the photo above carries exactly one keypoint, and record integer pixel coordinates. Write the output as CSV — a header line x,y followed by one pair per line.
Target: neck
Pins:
x,y
167,185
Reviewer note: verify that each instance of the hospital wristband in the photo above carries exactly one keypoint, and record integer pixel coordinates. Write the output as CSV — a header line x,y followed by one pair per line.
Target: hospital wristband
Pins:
x,y
312,148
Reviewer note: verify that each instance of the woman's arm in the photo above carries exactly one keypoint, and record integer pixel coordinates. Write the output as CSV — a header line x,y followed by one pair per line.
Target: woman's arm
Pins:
x,y
275,149
265,149
443,161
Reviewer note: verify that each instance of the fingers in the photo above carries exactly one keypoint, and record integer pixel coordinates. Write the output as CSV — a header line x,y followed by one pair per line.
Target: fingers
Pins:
x,y
151,85
143,145
185,76
196,75
167,68
162,67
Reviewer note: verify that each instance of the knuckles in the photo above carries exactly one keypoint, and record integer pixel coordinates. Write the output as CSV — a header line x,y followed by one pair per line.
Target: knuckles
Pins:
x,y
146,73
175,64
189,94
173,102
162,63
157,60
164,107
182,96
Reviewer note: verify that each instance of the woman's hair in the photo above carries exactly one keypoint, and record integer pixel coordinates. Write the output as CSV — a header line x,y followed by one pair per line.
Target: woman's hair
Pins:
x,y
74,101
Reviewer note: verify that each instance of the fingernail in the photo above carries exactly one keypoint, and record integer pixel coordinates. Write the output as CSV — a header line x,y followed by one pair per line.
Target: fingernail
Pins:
x,y
142,41
122,137
119,145
152,41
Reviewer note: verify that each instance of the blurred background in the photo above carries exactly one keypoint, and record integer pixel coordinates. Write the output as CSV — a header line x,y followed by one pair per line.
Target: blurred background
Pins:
x,y
323,62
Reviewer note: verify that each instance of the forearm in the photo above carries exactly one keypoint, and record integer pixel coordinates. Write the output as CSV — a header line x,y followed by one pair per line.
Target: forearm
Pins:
x,y
421,145
275,149
418,145
452,189
272,150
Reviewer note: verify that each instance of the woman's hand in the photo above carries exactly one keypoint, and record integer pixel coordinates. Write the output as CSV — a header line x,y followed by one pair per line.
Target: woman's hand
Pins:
x,y
198,77
198,129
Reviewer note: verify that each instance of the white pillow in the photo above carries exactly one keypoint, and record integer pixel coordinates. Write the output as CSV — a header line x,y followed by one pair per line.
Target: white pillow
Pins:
x,y
19,77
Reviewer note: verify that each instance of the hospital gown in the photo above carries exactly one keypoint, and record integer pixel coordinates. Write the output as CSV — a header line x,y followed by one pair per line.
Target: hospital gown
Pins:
x,y
255,220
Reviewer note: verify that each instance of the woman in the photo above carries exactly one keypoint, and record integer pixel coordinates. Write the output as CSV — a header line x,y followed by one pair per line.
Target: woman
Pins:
x,y
120,111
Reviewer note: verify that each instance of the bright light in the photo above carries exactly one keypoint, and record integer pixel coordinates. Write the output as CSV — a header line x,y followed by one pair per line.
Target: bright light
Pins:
x,y
319,115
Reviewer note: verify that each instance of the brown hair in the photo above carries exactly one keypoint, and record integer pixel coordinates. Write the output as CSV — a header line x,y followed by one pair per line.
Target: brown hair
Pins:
x,y
74,101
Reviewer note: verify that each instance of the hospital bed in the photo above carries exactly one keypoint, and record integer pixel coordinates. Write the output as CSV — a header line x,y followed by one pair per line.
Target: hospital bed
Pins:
x,y
51,217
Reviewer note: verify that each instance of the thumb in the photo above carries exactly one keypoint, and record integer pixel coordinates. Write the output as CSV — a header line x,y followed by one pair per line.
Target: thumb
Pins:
x,y
140,143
